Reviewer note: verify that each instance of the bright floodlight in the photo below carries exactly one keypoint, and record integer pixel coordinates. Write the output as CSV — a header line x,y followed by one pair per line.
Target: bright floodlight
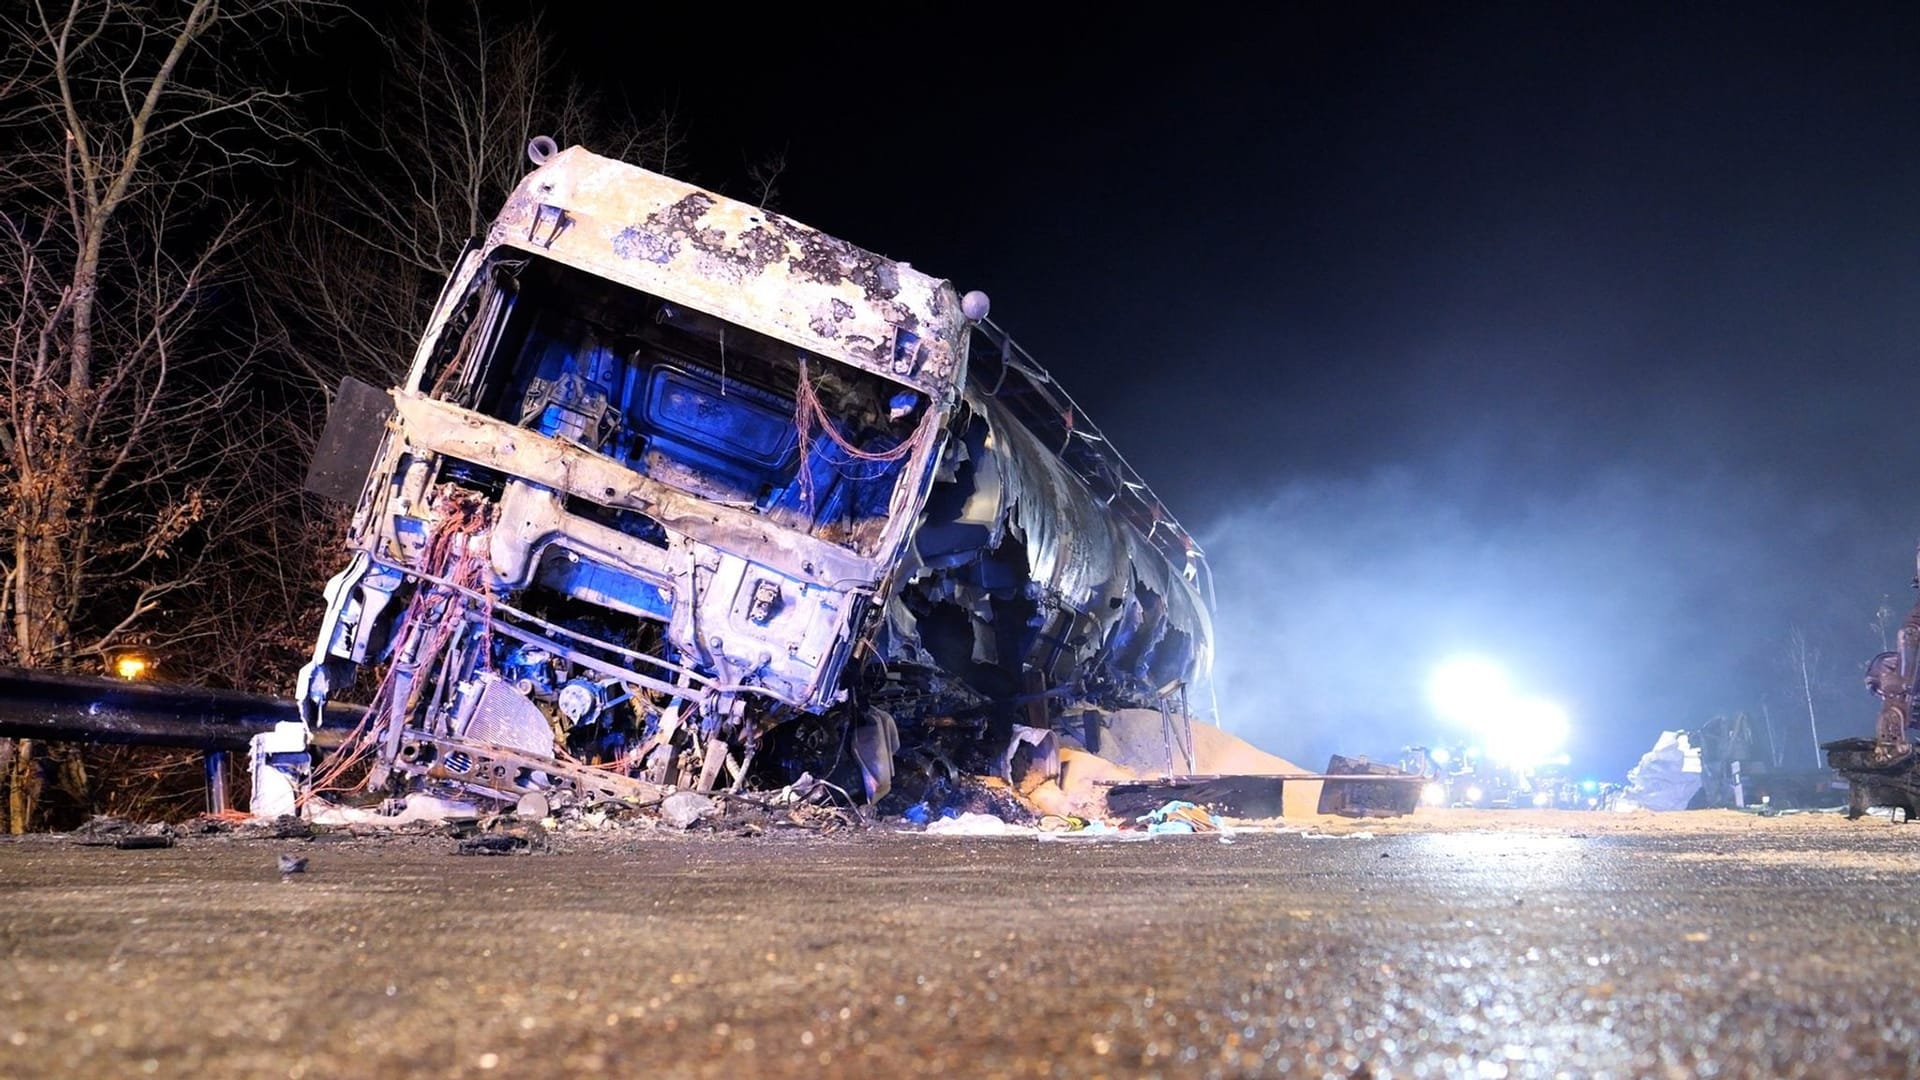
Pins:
x,y
1467,688
1526,733
130,666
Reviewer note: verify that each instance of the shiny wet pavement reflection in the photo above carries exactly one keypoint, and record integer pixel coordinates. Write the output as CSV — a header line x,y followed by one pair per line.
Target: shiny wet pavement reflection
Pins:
x,y
1757,950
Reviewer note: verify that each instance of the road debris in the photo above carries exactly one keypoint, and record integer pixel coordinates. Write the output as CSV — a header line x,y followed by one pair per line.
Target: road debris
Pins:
x,y
684,809
1386,791
1228,796
1667,777
921,813
105,831
971,824
534,806
1179,816
494,844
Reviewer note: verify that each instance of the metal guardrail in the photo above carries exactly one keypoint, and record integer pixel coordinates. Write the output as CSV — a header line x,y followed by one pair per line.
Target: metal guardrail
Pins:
x,y
79,708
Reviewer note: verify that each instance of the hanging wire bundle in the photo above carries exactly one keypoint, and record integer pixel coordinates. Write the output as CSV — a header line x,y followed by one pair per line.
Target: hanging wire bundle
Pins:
x,y
457,553
808,413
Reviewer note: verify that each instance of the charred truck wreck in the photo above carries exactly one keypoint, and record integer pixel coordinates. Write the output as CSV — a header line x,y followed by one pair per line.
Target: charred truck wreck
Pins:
x,y
682,492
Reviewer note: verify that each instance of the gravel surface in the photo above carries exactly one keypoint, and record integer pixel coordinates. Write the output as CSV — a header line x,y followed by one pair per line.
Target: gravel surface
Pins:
x,y
1729,946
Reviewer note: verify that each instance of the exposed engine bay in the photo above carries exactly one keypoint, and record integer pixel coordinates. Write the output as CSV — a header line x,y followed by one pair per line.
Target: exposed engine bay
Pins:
x,y
683,493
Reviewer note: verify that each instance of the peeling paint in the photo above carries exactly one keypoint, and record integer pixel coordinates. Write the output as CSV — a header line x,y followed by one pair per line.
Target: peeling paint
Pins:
x,y
828,317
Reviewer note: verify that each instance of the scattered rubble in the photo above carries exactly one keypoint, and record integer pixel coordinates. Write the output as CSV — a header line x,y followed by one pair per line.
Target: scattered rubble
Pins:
x,y
1180,816
971,824
1050,786
683,809
1667,777
104,831
494,844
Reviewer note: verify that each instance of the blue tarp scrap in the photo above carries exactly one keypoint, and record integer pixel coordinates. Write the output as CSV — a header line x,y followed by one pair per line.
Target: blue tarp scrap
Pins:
x,y
920,813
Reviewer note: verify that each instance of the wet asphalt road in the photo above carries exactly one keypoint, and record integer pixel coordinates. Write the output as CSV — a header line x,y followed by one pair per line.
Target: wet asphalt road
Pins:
x,y
1753,950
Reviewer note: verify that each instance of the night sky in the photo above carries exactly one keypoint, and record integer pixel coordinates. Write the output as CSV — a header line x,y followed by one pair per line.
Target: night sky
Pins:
x,y
1580,341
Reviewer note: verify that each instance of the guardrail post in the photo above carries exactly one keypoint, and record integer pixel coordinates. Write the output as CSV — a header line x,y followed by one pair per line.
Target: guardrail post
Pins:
x,y
217,797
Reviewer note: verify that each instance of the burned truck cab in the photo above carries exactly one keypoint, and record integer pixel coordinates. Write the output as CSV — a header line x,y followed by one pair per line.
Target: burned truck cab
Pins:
x,y
658,456
680,492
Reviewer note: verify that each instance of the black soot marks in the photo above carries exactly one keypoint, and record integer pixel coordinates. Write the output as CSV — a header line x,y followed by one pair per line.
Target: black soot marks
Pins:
x,y
829,261
658,238
826,318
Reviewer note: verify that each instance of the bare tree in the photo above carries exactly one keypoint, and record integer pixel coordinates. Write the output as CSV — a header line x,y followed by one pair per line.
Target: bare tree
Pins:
x,y
1775,752
433,156
125,124
1803,660
142,500
367,235
764,175
416,168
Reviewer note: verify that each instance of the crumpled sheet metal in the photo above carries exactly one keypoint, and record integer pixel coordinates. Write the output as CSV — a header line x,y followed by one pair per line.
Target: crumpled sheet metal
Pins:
x,y
1045,753
685,244
1074,547
568,469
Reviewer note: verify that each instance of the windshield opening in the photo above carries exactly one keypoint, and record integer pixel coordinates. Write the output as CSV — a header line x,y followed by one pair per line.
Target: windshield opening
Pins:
x,y
684,397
